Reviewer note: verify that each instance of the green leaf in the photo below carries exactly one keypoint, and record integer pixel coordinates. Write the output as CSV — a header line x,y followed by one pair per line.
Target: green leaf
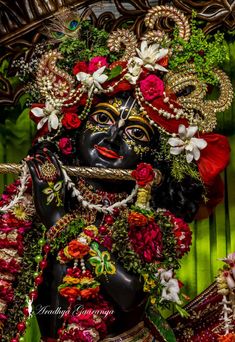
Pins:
x,y
182,311
47,191
58,186
115,72
94,261
105,256
99,270
110,268
50,198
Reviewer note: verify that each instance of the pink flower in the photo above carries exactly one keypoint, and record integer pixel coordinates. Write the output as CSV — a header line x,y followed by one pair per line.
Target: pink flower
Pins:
x,y
97,63
65,146
151,87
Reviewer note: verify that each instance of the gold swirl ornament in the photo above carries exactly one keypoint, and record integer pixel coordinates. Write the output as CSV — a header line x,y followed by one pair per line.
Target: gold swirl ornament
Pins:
x,y
53,83
122,37
153,22
199,110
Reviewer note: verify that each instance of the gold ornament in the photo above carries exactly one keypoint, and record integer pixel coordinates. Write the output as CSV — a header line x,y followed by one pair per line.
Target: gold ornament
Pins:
x,y
197,109
126,38
48,171
157,13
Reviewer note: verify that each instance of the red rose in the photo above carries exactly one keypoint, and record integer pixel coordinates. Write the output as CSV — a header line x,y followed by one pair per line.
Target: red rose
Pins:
x,y
151,87
65,146
78,67
144,174
71,121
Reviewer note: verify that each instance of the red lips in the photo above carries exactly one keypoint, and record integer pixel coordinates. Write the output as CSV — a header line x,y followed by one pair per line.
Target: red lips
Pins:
x,y
104,151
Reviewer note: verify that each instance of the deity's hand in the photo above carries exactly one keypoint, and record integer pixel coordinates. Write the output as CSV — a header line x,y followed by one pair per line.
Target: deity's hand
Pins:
x,y
48,186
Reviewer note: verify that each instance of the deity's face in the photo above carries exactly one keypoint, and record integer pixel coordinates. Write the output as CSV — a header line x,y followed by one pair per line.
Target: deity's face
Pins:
x,y
116,135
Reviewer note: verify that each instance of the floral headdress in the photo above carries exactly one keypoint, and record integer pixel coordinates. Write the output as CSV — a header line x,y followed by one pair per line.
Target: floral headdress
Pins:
x,y
166,75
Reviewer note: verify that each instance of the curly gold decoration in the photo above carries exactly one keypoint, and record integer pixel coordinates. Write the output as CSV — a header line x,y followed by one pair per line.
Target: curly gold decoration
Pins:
x,y
152,20
199,111
53,83
86,172
126,38
178,81
157,36
226,92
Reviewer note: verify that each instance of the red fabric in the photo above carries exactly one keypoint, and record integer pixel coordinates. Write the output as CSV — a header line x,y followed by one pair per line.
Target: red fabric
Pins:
x,y
214,158
215,195
171,125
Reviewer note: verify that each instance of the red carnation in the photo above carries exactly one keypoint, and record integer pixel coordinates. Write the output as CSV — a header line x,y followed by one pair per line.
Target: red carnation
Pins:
x,y
183,235
143,174
71,121
147,241
79,67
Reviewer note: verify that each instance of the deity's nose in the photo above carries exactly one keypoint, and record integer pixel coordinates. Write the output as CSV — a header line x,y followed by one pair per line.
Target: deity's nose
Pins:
x,y
115,133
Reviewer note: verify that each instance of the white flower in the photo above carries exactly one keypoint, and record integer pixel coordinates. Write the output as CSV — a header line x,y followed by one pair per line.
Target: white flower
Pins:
x,y
134,71
148,56
192,146
48,113
170,291
94,81
165,276
230,259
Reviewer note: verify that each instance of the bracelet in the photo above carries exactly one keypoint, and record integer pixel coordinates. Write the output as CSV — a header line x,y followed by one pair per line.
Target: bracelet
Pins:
x,y
60,225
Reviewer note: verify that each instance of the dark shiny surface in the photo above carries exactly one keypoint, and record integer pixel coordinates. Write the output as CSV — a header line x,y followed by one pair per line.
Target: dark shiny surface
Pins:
x,y
124,290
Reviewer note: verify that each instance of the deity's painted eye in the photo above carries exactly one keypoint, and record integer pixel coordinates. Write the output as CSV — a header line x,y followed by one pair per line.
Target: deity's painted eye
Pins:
x,y
103,117
137,133
73,25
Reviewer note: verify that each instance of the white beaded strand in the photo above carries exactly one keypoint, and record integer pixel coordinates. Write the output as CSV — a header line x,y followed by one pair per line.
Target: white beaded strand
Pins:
x,y
24,178
100,208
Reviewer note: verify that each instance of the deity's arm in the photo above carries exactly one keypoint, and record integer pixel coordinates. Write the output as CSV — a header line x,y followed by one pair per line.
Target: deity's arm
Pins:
x,y
125,289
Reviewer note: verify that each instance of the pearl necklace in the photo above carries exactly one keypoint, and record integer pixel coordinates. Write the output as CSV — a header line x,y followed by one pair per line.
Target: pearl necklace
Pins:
x,y
99,207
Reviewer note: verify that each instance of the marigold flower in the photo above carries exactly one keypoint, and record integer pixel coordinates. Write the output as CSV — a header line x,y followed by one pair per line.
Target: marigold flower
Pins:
x,y
77,249
137,219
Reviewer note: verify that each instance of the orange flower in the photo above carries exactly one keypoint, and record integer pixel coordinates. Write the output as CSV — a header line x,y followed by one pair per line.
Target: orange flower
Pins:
x,y
77,249
71,280
227,338
70,292
90,293
137,219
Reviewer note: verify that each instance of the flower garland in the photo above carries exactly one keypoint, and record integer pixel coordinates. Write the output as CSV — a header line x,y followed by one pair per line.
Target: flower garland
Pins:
x,y
22,187
15,223
146,242
226,287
